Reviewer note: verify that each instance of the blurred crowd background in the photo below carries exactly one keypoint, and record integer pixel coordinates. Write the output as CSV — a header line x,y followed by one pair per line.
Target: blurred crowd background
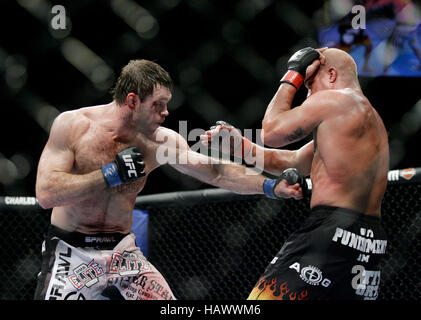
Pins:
x,y
225,57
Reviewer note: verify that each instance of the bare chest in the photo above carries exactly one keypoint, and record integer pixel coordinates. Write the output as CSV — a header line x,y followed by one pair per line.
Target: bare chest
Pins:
x,y
92,152
96,149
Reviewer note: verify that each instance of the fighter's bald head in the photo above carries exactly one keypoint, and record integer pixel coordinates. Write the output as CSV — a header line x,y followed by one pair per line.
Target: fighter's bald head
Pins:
x,y
342,62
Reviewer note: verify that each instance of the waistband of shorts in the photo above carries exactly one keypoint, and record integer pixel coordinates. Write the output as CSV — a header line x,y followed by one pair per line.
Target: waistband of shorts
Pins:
x,y
339,211
105,241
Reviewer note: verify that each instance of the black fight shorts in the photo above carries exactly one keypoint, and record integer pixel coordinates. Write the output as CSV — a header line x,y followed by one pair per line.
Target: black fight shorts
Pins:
x,y
334,256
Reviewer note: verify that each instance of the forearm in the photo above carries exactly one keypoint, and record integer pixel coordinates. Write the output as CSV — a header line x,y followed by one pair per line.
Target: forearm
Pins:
x,y
272,120
292,80
275,161
259,157
61,188
270,160
238,179
281,101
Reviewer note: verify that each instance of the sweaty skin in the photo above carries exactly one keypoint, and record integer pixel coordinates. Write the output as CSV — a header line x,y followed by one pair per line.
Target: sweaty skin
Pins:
x,y
70,179
80,143
350,158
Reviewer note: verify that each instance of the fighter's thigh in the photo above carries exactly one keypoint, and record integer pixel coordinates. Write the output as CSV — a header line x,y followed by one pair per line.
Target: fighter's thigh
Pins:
x,y
292,278
68,274
149,284
279,284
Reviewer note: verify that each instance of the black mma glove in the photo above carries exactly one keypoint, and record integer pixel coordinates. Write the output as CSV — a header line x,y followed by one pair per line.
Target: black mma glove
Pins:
x,y
128,166
291,175
297,66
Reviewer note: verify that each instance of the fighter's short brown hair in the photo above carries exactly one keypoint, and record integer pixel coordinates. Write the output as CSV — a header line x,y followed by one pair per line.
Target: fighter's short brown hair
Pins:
x,y
140,77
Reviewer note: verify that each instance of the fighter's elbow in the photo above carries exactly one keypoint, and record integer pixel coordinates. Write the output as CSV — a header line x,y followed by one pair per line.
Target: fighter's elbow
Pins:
x,y
43,197
270,136
217,177
271,140
274,134
266,126
267,135
44,202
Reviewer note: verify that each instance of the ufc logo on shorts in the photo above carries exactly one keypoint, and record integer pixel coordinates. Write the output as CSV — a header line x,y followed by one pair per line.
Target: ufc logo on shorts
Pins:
x,y
128,161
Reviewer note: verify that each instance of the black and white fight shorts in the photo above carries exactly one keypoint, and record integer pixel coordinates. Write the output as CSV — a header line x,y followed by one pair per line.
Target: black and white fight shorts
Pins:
x,y
334,256
108,266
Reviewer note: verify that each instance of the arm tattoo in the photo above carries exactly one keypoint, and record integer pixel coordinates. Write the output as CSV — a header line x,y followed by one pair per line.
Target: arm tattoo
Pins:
x,y
298,133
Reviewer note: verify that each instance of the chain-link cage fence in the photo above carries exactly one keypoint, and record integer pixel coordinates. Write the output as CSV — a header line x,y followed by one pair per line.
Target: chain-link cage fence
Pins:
x,y
22,225
218,250
213,245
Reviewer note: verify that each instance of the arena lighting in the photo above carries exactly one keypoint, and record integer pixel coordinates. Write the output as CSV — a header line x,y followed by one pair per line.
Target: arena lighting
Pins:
x,y
211,249
88,63
408,126
137,17
73,50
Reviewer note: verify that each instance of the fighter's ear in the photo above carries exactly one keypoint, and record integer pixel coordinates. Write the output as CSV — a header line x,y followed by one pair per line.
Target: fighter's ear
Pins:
x,y
132,100
333,74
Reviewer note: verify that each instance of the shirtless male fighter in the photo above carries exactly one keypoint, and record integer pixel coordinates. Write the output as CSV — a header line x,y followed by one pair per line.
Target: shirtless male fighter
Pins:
x,y
336,254
91,170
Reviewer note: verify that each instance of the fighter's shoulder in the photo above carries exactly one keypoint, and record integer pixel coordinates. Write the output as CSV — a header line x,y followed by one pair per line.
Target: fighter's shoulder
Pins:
x,y
331,100
71,118
326,96
69,124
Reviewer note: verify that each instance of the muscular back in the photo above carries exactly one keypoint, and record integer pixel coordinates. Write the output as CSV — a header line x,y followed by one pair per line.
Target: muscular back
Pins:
x,y
351,158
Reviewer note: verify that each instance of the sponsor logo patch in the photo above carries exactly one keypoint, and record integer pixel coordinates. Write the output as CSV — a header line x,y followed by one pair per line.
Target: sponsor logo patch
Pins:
x,y
86,275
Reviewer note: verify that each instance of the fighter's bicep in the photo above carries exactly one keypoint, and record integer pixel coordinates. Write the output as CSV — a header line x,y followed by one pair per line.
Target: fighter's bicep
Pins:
x,y
54,158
